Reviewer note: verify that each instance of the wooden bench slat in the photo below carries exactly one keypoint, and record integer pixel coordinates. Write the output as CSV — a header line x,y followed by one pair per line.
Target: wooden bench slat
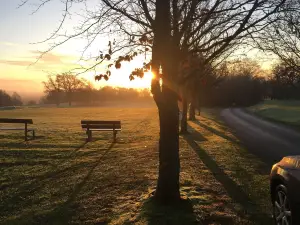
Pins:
x,y
15,128
100,126
9,120
25,128
100,122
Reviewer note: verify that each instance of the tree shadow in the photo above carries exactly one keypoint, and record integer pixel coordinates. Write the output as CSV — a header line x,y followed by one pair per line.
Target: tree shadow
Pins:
x,y
175,214
25,144
192,133
63,212
38,137
249,209
217,132
80,146
20,137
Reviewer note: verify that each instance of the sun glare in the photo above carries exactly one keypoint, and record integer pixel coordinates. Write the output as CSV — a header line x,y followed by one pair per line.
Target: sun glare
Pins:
x,y
120,77
144,82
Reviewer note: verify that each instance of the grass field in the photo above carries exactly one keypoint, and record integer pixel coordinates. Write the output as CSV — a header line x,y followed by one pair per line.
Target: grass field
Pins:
x,y
60,179
287,112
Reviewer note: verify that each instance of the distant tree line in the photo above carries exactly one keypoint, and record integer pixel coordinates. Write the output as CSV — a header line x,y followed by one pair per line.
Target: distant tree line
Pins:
x,y
233,83
284,82
10,100
69,88
244,83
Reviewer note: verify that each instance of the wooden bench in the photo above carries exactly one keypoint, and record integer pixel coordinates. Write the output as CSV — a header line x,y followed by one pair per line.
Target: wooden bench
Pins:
x,y
90,126
25,128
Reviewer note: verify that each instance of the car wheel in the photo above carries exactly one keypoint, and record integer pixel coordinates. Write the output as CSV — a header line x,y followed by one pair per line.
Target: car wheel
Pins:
x,y
281,206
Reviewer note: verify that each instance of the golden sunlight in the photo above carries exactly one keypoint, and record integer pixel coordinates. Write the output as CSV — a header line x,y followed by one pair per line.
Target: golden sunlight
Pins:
x,y
120,77
123,81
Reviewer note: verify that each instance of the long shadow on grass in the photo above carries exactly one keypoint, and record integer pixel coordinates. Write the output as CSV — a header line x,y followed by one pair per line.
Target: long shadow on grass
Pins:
x,y
176,214
63,212
24,144
23,151
250,208
217,132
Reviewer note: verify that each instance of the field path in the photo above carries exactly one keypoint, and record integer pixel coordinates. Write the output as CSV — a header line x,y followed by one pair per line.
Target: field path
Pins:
x,y
267,140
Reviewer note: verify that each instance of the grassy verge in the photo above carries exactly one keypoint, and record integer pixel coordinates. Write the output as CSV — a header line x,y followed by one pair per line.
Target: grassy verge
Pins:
x,y
60,179
286,112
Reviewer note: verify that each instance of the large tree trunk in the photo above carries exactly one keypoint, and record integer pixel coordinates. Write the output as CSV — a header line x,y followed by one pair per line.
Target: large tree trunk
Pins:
x,y
167,190
192,110
183,124
169,166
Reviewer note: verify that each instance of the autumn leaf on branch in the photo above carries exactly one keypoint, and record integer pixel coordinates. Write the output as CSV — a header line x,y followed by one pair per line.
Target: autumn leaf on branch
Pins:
x,y
118,65
144,38
107,56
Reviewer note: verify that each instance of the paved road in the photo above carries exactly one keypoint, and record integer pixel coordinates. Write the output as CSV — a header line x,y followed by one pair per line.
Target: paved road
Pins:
x,y
267,140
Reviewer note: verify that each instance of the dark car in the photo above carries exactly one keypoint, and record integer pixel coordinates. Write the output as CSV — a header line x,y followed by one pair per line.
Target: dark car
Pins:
x,y
285,191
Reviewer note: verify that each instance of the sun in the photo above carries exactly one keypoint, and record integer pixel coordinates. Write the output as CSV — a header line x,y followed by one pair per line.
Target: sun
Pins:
x,y
144,82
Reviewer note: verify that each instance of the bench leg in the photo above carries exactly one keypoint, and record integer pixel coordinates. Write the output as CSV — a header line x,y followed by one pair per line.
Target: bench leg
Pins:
x,y
89,133
26,132
33,134
115,135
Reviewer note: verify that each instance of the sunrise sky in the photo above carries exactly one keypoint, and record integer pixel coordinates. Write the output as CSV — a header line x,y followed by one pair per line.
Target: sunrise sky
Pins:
x,y
19,28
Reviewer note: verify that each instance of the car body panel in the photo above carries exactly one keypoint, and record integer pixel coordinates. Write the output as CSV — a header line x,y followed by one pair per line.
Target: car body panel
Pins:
x,y
287,172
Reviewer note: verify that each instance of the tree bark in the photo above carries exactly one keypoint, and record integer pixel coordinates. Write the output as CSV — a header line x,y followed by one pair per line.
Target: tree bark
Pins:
x,y
192,115
167,190
183,124
166,98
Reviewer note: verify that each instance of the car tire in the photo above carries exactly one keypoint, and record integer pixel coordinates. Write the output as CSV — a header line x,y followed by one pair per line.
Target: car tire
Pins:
x,y
282,211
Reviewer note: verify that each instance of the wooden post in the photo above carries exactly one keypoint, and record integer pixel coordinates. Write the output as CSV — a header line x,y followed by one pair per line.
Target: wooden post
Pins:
x,y
114,133
25,131
89,133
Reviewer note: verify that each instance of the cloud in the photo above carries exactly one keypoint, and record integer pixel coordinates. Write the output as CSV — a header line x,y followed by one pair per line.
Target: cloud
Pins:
x,y
16,81
47,61
9,44
48,57
16,62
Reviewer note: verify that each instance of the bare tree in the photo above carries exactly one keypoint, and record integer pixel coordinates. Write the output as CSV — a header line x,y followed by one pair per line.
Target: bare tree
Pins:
x,y
69,84
170,30
286,75
63,83
7,100
53,90
282,37
16,99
